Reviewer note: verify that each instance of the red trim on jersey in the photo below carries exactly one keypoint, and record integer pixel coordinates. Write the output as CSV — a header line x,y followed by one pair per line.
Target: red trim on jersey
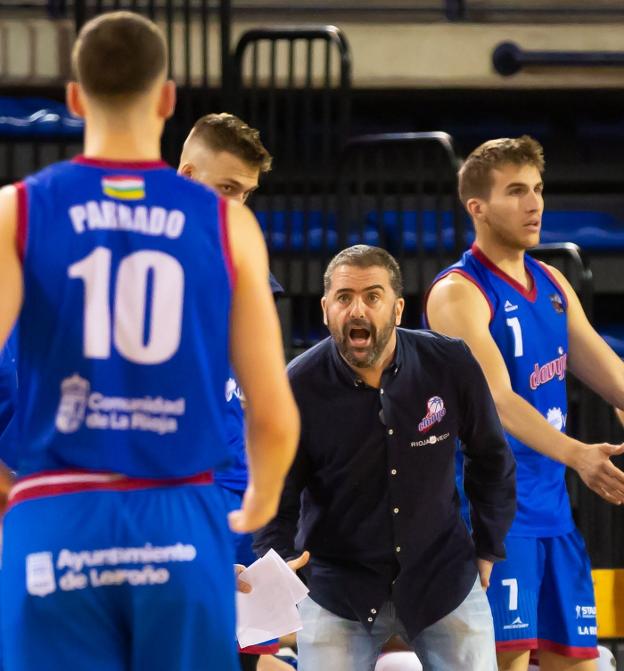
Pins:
x,y
470,278
270,649
529,294
578,652
518,645
127,165
22,219
53,483
225,241
555,281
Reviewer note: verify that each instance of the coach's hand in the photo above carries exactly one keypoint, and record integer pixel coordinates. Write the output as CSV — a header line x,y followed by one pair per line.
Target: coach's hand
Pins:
x,y
593,464
257,510
485,570
299,562
241,585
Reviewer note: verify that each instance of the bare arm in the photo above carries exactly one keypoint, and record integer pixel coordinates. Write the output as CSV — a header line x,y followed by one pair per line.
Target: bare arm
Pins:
x,y
457,308
257,355
10,266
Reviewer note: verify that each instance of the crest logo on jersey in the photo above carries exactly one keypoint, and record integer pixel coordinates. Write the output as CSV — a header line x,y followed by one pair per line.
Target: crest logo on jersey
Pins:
x,y
232,390
124,187
73,404
435,413
40,579
556,418
509,307
549,371
557,303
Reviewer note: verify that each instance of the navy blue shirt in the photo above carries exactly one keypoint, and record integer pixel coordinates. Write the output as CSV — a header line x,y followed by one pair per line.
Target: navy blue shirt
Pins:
x,y
371,493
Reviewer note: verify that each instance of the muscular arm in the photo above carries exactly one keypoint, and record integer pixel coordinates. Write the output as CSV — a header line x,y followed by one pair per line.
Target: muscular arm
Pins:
x,y
10,266
257,355
457,308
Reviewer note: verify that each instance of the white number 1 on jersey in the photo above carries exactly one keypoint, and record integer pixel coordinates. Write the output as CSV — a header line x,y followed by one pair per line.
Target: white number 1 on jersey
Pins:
x,y
514,325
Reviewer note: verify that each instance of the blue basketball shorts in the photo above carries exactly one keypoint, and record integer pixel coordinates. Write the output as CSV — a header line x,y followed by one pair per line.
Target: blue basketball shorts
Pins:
x,y
118,580
542,597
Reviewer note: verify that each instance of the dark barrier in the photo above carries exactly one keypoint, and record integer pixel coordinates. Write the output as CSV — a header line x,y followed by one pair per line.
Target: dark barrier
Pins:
x,y
399,191
294,84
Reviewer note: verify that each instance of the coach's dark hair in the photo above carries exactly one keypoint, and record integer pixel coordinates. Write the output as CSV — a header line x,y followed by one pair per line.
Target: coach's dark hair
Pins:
x,y
226,132
118,54
365,256
475,175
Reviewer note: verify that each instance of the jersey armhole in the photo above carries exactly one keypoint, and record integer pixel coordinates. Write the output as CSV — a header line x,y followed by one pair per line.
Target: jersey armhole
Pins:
x,y
225,241
470,279
22,220
555,281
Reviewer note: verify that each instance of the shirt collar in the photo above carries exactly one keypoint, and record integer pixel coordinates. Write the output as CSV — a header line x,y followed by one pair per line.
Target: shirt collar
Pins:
x,y
351,377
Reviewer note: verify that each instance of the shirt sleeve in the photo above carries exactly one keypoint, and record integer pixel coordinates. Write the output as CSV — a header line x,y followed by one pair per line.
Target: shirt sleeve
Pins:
x,y
489,464
280,532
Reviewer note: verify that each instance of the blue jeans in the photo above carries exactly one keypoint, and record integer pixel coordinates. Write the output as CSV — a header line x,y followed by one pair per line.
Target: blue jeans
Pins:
x,y
463,639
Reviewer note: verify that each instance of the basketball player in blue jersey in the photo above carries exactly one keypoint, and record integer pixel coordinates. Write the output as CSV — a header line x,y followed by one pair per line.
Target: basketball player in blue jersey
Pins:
x,y
225,154
132,285
525,325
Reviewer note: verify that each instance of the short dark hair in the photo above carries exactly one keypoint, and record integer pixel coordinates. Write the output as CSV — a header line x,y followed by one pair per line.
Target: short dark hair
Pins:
x,y
118,54
475,175
366,256
226,132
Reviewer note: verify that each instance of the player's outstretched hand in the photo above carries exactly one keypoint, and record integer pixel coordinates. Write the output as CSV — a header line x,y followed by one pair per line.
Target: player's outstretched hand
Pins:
x,y
593,464
299,562
257,510
485,571
241,585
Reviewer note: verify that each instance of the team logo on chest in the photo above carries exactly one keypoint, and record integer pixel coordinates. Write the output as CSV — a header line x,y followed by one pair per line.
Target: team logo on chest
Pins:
x,y
557,303
435,413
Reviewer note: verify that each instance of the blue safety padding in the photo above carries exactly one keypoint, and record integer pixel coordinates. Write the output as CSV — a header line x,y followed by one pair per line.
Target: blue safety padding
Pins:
x,y
614,336
37,117
597,231
276,227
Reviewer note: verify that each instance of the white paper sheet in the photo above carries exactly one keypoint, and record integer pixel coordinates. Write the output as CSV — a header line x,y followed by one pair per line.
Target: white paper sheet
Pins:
x,y
270,609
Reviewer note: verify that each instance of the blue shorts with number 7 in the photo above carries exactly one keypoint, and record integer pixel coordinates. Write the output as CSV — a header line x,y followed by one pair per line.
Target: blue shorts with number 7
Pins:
x,y
542,597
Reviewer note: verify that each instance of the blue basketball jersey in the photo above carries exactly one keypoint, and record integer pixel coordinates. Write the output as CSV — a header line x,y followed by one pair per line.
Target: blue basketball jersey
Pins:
x,y
123,334
8,399
531,331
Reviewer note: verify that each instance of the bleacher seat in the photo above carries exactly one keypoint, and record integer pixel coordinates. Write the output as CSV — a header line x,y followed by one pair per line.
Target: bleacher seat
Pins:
x,y
37,117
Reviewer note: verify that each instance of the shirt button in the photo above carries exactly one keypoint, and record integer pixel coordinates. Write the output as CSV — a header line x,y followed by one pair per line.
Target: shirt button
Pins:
x,y
390,432
373,611
398,548
381,391
370,619
393,471
396,510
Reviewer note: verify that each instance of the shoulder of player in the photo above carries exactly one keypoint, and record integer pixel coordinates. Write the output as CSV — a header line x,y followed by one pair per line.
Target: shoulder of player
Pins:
x,y
554,274
455,288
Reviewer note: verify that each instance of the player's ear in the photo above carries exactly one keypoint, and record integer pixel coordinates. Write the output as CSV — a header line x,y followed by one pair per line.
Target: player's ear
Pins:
x,y
475,207
186,169
167,102
73,98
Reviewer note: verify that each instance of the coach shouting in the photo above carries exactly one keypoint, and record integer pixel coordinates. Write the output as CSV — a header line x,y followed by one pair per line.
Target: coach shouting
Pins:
x,y
382,409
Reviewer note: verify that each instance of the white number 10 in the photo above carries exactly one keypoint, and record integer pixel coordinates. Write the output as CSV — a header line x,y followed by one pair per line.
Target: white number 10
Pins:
x,y
130,310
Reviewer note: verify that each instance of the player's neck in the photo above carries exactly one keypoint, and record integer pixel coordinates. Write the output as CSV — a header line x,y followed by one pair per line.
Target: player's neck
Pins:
x,y
121,142
509,259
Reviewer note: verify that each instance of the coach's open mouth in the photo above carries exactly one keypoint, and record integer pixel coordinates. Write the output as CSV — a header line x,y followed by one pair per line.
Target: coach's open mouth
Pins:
x,y
359,337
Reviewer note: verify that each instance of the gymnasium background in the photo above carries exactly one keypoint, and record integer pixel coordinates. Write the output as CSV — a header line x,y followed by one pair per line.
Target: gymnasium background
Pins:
x,y
368,107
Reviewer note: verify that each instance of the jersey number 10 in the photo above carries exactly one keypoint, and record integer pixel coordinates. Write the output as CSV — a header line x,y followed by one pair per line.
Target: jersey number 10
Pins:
x,y
142,334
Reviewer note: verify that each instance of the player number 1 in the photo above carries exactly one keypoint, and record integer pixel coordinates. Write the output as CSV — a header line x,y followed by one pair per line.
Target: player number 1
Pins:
x,y
130,309
512,583
514,324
